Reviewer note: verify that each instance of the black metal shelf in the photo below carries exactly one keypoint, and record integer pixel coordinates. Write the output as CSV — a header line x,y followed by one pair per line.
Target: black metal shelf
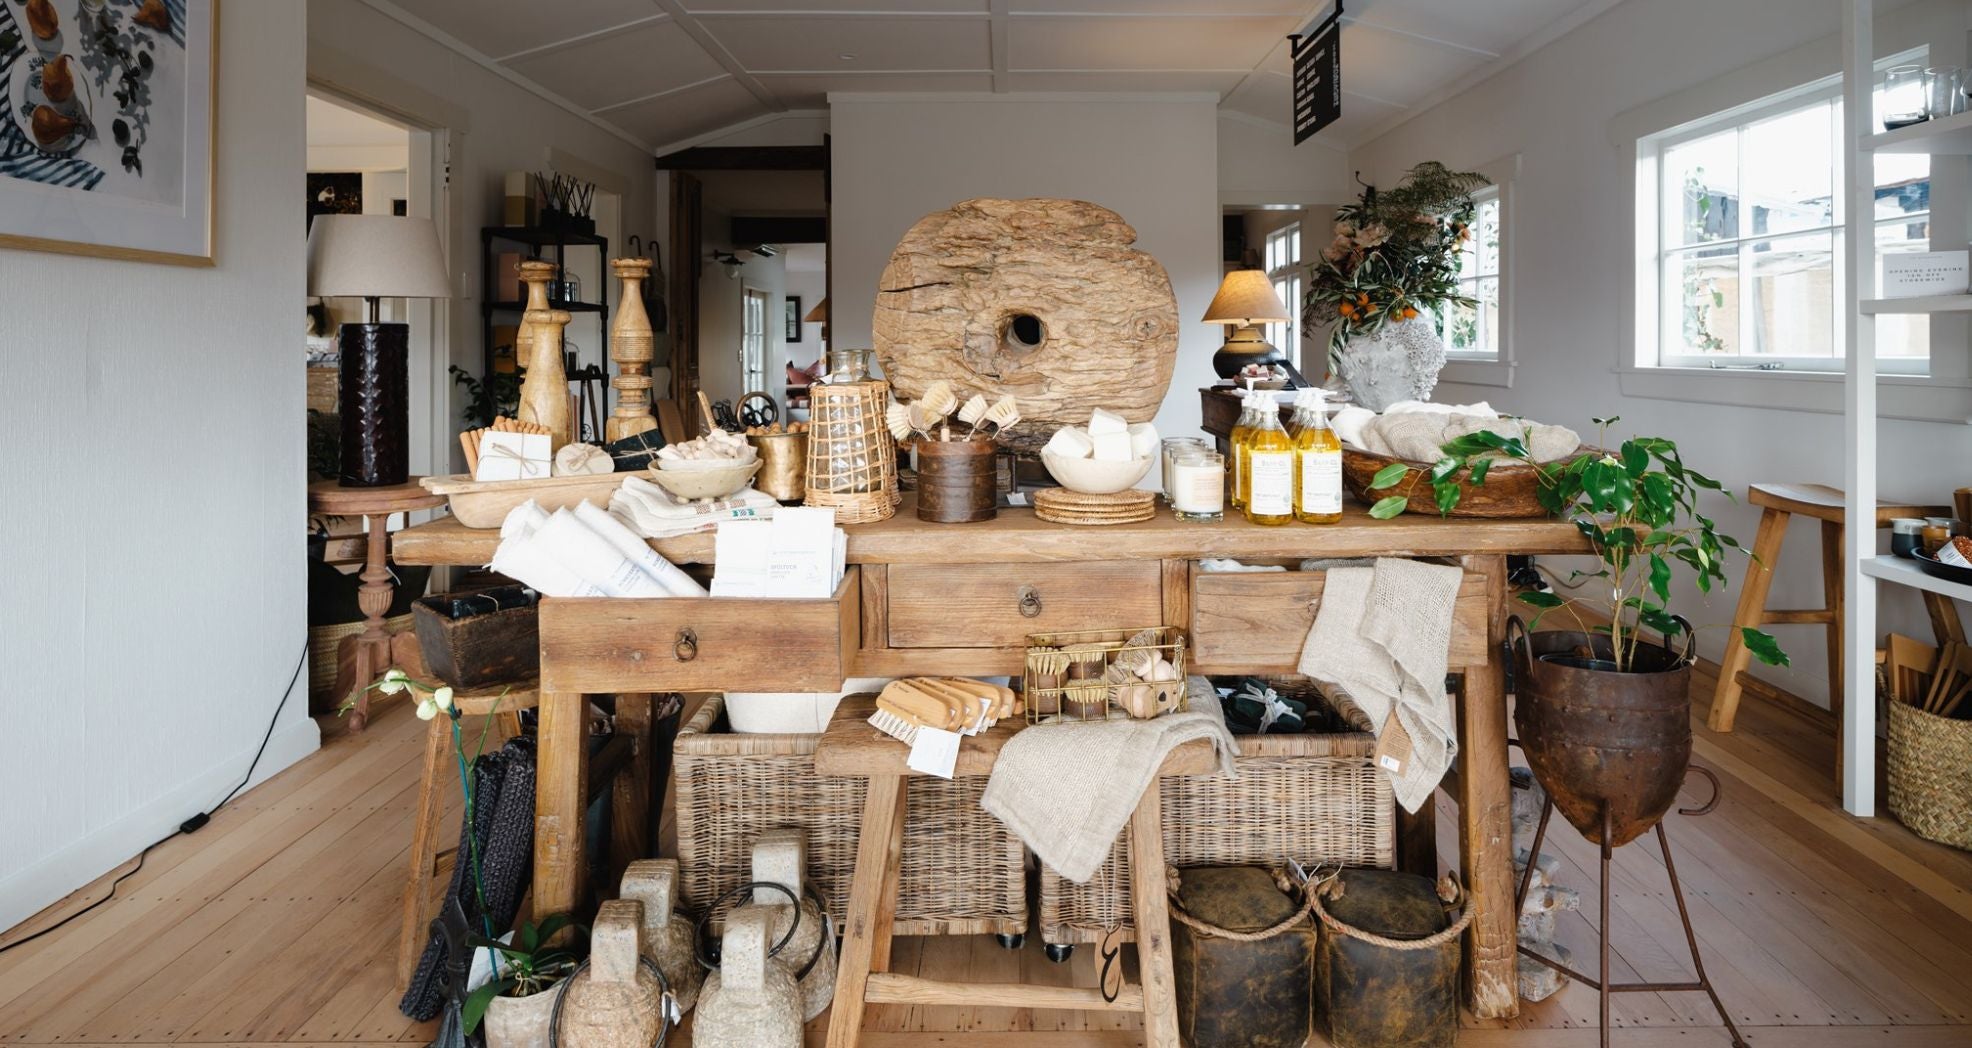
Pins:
x,y
516,307
551,245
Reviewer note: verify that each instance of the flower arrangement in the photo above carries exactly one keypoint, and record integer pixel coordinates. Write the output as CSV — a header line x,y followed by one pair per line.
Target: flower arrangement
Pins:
x,y
1395,254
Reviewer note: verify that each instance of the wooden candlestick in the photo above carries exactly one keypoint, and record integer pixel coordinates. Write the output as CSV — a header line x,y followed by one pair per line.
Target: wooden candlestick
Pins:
x,y
544,390
631,345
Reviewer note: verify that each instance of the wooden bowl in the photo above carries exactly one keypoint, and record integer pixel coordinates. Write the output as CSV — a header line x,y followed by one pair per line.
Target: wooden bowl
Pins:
x,y
1512,487
698,484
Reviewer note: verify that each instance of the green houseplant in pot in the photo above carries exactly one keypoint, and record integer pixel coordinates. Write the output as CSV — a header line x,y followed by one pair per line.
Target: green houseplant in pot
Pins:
x,y
1603,711
516,1004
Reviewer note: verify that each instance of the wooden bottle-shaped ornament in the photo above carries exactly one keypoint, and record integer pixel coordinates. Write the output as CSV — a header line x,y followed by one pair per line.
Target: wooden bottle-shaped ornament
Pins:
x,y
631,345
544,391
751,1001
667,934
616,1003
780,856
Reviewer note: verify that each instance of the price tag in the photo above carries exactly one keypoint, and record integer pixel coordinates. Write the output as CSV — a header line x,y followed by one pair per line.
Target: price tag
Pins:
x,y
1393,746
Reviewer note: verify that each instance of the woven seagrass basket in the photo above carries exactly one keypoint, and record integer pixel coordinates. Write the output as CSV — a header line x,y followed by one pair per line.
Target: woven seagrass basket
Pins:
x,y
1928,762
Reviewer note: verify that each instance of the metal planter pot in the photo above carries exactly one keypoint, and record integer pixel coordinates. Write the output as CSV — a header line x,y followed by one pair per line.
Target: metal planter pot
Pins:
x,y
1597,738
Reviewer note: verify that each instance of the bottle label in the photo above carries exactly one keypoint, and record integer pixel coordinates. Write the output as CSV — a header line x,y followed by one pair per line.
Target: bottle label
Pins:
x,y
1272,483
1321,481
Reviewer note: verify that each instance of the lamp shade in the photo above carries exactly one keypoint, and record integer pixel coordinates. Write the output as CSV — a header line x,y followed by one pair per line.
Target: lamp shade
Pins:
x,y
375,256
1246,297
819,314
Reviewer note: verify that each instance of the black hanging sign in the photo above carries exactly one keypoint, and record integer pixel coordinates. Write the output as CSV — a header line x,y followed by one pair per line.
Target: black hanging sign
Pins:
x,y
1318,77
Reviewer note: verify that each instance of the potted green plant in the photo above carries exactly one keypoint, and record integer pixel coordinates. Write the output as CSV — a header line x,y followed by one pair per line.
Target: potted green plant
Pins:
x,y
1386,277
516,1003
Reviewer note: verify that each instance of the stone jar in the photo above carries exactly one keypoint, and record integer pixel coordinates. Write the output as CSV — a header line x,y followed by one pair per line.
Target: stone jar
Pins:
x,y
667,934
1400,362
751,1001
616,1002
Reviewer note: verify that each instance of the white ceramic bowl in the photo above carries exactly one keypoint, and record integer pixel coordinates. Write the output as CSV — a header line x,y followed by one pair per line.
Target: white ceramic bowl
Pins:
x,y
693,484
707,465
1096,476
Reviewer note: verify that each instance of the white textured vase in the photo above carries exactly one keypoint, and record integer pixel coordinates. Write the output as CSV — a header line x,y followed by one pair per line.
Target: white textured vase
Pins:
x,y
519,1022
1401,362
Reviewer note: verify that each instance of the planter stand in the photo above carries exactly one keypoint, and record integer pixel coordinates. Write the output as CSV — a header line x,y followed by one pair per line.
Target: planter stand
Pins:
x,y
1602,985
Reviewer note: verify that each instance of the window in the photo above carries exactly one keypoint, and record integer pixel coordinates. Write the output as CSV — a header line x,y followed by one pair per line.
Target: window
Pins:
x,y
753,340
1473,332
1747,239
1283,264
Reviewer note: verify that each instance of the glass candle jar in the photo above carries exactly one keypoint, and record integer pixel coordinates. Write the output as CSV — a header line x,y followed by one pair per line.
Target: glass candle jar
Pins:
x,y
1198,486
1903,97
1942,96
1174,448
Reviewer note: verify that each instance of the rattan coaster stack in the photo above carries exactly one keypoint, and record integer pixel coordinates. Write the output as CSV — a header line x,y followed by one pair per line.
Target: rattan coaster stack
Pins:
x,y
1063,506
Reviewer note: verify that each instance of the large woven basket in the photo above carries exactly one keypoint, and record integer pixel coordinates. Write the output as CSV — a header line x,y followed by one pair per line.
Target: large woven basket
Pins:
x,y
963,873
1313,798
1928,761
852,460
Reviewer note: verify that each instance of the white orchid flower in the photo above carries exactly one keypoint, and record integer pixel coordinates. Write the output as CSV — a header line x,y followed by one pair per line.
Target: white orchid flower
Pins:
x,y
390,686
443,697
427,709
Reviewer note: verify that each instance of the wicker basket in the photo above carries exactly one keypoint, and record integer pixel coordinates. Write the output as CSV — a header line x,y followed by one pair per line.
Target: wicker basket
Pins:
x,y
852,460
1928,762
1311,797
324,642
963,873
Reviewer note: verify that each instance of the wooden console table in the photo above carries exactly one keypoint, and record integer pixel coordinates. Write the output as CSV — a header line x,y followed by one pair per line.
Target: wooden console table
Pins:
x,y
361,658
961,599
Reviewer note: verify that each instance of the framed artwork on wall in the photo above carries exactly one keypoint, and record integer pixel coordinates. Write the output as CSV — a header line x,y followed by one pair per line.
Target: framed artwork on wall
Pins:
x,y
793,319
106,147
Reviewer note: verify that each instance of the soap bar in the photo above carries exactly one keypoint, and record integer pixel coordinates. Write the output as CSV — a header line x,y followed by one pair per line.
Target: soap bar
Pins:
x,y
1143,440
1112,447
1070,442
1103,421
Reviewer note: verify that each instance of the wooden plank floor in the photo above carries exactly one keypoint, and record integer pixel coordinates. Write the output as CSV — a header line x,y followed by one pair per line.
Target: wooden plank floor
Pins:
x,y
277,923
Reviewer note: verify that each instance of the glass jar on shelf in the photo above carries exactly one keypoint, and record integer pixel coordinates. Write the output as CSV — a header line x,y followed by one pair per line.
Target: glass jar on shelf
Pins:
x,y
1904,94
1944,92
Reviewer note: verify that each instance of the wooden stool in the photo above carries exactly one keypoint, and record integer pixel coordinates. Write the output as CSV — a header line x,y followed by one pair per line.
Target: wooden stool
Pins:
x,y
361,659
851,748
429,864
1778,503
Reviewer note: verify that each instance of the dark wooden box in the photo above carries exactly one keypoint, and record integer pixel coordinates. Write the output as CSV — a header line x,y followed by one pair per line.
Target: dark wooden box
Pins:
x,y
1235,994
479,648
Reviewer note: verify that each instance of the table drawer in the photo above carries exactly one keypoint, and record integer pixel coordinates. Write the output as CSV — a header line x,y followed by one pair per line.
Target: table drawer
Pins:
x,y
602,645
998,605
1257,622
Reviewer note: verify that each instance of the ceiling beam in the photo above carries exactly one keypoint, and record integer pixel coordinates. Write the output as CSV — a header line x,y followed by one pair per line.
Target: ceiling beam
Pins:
x,y
584,38
745,158
690,24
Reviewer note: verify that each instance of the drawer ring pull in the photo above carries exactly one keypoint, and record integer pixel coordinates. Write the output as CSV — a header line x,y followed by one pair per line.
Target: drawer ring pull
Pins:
x,y
685,649
1030,602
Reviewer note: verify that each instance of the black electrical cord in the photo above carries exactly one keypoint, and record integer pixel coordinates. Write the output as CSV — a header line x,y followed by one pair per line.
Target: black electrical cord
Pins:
x,y
191,825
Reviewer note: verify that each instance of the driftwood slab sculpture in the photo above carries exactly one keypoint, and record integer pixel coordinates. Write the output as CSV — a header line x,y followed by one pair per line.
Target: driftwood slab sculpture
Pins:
x,y
1045,299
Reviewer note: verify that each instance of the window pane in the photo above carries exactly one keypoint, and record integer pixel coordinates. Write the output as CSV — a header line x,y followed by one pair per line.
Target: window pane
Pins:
x,y
1792,297
1460,326
1901,334
1787,182
1701,302
1701,186
1486,236
1489,316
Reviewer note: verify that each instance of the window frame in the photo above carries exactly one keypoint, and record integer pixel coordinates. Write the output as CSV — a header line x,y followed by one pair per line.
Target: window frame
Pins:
x,y
1287,269
754,343
1482,369
1489,195
1653,307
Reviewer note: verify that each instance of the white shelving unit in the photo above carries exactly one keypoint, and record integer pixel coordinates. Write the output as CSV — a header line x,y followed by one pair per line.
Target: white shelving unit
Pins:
x,y
1864,568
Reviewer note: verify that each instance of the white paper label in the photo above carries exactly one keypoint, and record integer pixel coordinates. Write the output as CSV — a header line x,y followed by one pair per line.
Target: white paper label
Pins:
x,y
1200,489
1321,481
1273,483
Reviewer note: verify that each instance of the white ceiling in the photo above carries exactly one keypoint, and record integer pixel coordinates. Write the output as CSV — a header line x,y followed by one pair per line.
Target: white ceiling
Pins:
x,y
665,72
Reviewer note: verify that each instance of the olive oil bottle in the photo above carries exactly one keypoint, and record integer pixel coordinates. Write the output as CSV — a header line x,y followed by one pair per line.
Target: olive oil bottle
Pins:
x,y
1317,462
1236,443
1267,470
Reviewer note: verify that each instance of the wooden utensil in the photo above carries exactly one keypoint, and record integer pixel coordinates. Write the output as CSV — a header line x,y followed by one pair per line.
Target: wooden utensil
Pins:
x,y
1952,679
1907,667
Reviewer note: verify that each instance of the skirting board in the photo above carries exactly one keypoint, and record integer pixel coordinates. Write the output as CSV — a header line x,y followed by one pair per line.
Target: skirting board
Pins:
x,y
25,893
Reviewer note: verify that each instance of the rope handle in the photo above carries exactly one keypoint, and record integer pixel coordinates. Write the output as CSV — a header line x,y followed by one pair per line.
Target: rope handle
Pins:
x,y
794,922
1432,941
1210,930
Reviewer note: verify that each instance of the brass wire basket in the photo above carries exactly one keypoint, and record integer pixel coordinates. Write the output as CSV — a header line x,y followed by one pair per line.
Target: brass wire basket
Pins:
x,y
1095,674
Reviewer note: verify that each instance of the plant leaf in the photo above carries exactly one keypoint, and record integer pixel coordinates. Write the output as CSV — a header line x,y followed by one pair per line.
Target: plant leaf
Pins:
x,y
1660,577
1388,507
474,1008
1388,475
1478,471
1448,495
1635,458
1541,599
1763,646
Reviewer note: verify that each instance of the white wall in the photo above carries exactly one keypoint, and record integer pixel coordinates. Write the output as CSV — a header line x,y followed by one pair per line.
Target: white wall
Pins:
x,y
1150,158
154,604
495,126
1571,277
1260,164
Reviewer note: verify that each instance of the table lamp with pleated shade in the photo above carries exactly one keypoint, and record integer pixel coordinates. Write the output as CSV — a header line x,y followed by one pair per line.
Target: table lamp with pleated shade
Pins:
x,y
374,257
1246,300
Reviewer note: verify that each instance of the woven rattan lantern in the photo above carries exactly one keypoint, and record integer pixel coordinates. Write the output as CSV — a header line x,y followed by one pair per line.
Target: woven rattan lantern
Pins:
x,y
852,462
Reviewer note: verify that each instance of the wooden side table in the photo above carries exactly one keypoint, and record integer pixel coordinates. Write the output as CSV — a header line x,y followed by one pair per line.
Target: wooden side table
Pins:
x,y
360,658
850,747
